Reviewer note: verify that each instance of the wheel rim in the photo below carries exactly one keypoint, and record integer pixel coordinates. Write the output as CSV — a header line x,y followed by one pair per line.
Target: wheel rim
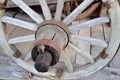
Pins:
x,y
110,49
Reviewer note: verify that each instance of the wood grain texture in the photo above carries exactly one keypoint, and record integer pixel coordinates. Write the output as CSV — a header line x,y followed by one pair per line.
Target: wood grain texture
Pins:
x,y
59,9
35,16
86,47
31,2
45,9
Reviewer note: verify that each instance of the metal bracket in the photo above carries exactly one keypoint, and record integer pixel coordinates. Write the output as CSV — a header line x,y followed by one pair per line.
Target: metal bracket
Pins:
x,y
59,73
104,55
17,54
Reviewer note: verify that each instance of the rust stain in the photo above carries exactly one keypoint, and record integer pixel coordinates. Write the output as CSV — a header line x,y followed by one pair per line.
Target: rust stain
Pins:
x,y
59,73
107,4
17,54
2,6
104,55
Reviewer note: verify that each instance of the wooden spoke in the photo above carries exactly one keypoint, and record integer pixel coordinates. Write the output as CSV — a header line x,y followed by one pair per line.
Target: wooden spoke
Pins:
x,y
88,11
35,16
67,62
45,9
87,40
21,39
20,23
60,5
89,24
82,53
77,11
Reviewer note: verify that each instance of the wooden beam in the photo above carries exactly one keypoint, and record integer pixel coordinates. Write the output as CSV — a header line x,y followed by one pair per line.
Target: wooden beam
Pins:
x,y
10,4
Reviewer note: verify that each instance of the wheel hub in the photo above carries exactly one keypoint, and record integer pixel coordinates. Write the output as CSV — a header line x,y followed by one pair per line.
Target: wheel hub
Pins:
x,y
46,53
51,36
53,30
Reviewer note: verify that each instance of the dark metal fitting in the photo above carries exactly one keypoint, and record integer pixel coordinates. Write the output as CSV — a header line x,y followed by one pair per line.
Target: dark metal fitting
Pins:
x,y
50,56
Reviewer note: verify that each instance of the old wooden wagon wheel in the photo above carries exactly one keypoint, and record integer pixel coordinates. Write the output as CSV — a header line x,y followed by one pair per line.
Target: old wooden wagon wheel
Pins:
x,y
53,35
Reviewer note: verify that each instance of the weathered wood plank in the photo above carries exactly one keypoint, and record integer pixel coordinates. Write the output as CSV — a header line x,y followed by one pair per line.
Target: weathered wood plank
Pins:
x,y
105,74
97,32
31,2
67,61
82,52
106,27
115,63
23,47
10,28
19,23
81,60
24,17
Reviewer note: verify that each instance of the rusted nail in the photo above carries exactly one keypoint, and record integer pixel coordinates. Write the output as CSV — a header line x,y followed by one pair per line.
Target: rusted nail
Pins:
x,y
107,4
46,53
17,54
59,73
2,6
103,55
